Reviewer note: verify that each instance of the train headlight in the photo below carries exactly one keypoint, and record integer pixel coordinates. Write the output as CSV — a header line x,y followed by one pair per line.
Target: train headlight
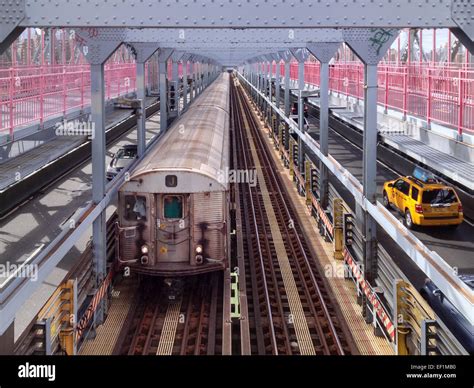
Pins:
x,y
199,249
144,249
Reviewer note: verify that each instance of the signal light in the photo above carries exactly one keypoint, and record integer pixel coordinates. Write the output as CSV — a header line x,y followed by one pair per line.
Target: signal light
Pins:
x,y
419,209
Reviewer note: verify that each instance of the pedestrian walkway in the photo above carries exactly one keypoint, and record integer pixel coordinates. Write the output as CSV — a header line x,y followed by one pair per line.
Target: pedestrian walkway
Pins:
x,y
455,165
23,164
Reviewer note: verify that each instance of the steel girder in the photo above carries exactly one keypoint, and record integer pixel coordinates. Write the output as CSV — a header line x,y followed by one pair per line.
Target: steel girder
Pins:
x,y
254,13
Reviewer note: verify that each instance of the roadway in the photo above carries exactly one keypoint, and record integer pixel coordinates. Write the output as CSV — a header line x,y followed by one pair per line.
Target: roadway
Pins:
x,y
454,246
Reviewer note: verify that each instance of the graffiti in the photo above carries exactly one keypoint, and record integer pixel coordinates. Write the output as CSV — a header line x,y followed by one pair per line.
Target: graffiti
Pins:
x,y
380,37
93,32
132,49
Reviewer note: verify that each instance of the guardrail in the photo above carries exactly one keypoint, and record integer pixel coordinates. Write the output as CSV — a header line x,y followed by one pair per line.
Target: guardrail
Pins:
x,y
34,94
439,94
381,295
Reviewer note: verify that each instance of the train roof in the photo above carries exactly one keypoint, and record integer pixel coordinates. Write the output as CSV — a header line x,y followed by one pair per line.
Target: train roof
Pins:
x,y
196,144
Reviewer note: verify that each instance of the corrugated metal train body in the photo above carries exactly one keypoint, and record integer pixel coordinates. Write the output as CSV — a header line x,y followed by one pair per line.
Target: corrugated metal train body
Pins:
x,y
173,212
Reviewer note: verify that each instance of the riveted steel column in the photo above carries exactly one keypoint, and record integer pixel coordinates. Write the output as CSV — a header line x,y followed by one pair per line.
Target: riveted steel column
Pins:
x,y
143,51
269,83
97,54
277,91
265,86
175,84
192,92
301,125
185,81
206,75
163,96
287,101
259,81
324,52
198,78
99,245
141,95
324,133
277,84
370,166
370,44
255,79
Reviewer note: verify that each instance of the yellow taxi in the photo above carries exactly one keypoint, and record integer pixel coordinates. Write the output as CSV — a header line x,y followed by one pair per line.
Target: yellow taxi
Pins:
x,y
423,200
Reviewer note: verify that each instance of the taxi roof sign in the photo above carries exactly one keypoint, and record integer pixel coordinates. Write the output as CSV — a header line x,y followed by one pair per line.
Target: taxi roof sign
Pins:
x,y
424,175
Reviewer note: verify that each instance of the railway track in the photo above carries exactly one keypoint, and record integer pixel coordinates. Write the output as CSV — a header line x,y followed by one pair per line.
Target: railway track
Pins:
x,y
289,309
189,325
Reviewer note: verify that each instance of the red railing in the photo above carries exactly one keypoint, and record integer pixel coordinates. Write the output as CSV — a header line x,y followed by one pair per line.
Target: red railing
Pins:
x,y
34,94
437,93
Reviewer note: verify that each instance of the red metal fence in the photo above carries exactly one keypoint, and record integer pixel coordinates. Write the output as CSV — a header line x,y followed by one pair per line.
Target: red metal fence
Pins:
x,y
34,94
439,94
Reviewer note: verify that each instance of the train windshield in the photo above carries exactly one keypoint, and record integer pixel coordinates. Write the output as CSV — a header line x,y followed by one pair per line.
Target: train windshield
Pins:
x,y
135,208
173,207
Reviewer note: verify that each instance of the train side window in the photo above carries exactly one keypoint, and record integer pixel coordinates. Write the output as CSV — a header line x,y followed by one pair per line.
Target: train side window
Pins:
x,y
173,206
135,208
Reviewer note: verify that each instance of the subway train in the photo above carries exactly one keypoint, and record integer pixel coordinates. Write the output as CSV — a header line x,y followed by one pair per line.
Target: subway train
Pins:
x,y
173,211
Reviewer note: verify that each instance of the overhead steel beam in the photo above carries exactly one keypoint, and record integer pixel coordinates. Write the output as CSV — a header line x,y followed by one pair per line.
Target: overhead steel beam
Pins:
x,y
202,13
230,36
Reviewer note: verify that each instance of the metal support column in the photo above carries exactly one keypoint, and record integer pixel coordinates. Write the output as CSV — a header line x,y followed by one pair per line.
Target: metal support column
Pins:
x,y
174,86
277,91
185,81
257,73
141,95
301,126
324,133
370,170
163,57
206,75
192,91
370,46
198,78
287,101
269,83
265,86
163,96
143,52
99,244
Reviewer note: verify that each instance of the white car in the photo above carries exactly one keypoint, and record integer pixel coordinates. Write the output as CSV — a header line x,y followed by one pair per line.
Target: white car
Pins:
x,y
122,158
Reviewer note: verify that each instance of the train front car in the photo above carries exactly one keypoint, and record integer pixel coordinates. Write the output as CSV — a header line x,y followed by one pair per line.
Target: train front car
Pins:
x,y
173,211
